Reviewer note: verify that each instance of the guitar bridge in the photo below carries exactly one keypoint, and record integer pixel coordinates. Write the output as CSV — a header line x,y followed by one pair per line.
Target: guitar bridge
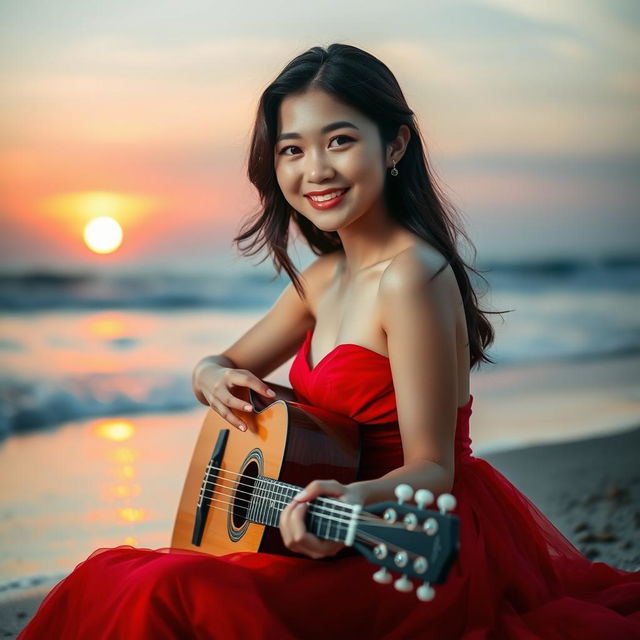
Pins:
x,y
208,483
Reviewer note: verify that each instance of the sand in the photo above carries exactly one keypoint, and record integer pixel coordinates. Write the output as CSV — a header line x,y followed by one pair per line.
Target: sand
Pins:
x,y
17,608
590,489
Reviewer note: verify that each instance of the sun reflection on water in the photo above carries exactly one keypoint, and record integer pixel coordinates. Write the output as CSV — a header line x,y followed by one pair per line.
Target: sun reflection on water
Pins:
x,y
122,469
116,430
124,455
130,514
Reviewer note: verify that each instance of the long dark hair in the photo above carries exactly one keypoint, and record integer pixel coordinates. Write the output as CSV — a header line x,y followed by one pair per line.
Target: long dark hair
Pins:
x,y
413,198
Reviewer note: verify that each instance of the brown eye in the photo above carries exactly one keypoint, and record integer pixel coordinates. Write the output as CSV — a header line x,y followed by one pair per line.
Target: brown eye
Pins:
x,y
282,151
347,138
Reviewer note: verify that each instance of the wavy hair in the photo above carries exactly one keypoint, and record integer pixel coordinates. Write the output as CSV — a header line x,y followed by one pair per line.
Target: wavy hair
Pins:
x,y
414,200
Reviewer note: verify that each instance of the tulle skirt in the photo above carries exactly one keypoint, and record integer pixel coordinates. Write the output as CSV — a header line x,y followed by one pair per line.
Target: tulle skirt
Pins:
x,y
516,576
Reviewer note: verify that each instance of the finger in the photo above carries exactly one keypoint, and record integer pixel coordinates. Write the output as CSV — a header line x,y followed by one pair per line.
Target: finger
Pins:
x,y
303,541
284,524
320,488
245,378
306,542
297,526
227,414
237,403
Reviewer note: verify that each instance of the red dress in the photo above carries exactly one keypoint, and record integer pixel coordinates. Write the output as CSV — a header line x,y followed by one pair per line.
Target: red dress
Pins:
x,y
516,575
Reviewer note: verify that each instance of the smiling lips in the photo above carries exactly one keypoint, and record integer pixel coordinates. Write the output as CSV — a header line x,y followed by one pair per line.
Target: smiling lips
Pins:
x,y
326,199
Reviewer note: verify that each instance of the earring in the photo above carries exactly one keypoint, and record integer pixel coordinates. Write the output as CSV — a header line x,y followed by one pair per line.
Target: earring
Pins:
x,y
394,171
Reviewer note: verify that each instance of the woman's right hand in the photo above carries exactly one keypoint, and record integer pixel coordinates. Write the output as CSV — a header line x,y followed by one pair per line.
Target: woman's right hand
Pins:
x,y
214,383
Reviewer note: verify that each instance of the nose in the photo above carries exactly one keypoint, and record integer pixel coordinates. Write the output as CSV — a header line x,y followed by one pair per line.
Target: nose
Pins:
x,y
319,167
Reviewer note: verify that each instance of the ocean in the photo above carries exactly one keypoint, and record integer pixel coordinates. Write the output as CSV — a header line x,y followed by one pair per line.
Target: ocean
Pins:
x,y
81,344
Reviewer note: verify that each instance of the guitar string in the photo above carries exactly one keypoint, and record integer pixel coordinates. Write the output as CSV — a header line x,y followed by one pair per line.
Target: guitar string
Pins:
x,y
265,491
268,493
372,519
314,508
360,536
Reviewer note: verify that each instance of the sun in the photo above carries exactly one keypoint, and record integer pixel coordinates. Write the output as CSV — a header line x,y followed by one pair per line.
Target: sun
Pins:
x,y
103,234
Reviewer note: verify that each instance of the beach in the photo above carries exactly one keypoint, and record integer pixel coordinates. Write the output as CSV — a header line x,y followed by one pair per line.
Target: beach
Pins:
x,y
590,489
98,419
578,465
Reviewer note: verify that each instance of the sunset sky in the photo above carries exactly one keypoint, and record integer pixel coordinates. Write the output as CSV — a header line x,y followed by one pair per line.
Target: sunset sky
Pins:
x,y
143,110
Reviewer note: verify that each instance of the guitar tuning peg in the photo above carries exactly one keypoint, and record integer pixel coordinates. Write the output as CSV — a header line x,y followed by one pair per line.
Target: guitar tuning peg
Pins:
x,y
403,492
403,584
446,502
423,497
382,576
425,592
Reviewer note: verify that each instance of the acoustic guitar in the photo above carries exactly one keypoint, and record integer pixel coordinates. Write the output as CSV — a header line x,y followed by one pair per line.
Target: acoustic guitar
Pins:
x,y
238,483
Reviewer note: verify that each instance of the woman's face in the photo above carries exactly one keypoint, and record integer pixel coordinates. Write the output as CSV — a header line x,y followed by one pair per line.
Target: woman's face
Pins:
x,y
348,156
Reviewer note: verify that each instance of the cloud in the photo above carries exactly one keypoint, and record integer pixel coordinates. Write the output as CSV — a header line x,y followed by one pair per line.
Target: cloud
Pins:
x,y
568,48
604,23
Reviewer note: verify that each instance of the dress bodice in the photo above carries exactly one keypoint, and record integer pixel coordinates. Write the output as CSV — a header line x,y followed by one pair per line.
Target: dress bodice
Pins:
x,y
355,381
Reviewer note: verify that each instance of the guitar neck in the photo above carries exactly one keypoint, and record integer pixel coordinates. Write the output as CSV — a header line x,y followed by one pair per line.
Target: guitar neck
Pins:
x,y
326,518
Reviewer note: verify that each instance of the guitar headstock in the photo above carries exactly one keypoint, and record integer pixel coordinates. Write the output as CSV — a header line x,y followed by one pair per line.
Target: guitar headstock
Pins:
x,y
418,542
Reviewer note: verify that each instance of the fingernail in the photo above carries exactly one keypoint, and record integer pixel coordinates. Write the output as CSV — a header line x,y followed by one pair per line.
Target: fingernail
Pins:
x,y
271,392
248,407
300,496
242,427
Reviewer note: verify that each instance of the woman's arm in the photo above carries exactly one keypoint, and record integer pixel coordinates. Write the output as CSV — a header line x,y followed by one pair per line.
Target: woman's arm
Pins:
x,y
418,475
418,316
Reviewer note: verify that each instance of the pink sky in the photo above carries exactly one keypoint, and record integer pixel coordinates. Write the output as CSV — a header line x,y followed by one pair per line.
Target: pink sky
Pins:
x,y
530,117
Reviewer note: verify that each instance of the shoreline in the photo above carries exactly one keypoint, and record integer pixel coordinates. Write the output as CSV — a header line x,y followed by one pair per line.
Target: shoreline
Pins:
x,y
588,488
553,403
515,405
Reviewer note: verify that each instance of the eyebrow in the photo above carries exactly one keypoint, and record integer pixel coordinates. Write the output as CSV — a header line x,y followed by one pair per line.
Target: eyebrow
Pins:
x,y
326,129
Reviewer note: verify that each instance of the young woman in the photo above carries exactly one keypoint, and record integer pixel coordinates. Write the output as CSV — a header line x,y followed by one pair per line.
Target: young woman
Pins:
x,y
385,329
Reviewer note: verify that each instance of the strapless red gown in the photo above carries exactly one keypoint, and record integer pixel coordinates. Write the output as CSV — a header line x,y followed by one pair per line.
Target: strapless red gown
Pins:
x,y
516,575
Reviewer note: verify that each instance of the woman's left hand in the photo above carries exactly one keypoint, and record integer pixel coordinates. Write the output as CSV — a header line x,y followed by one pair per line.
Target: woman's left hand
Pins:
x,y
293,529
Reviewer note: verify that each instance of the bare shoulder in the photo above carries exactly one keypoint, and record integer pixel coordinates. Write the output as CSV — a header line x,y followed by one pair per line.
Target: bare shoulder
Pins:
x,y
418,280
417,266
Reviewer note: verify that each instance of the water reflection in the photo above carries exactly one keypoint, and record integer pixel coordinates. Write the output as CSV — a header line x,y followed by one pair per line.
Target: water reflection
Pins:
x,y
125,455
84,491
124,490
129,514
108,325
116,430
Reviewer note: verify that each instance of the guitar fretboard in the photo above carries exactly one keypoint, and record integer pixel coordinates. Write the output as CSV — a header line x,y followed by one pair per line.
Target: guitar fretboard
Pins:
x,y
326,518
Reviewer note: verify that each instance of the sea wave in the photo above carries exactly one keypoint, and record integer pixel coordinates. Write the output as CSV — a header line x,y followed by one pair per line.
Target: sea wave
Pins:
x,y
138,360
242,288
44,291
27,405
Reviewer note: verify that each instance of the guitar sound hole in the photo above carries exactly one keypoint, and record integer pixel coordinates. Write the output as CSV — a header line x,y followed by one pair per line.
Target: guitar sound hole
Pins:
x,y
244,492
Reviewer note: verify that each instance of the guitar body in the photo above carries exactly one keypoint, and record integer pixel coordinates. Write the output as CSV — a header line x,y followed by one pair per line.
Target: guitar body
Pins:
x,y
284,441
239,482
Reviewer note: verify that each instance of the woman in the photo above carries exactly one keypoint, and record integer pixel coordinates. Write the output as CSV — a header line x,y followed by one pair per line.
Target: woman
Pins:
x,y
385,328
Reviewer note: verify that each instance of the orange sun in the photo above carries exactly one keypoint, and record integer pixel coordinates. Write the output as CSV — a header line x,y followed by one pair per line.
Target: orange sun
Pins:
x,y
103,234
